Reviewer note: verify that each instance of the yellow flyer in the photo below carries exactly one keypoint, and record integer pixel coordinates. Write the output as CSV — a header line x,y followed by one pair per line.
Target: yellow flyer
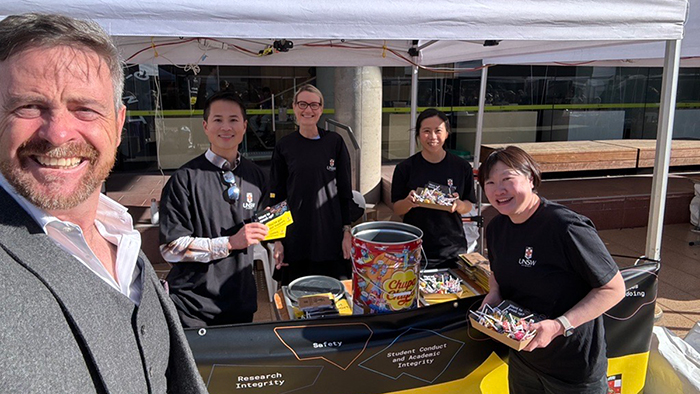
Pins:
x,y
277,218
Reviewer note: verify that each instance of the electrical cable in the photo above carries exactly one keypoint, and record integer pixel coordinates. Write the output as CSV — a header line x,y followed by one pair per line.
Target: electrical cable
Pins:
x,y
205,44
162,44
641,306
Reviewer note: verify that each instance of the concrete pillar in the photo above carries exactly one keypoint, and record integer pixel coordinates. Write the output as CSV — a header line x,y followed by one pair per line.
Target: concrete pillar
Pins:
x,y
325,82
358,104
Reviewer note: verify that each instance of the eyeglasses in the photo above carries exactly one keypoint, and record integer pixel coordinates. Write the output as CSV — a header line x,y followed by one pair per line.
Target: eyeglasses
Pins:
x,y
233,192
304,105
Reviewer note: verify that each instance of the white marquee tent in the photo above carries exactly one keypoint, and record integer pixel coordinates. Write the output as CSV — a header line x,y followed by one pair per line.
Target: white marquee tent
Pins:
x,y
648,54
380,33
323,31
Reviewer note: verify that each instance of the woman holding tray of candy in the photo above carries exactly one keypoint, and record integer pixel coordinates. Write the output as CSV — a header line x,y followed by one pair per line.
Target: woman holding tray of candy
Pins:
x,y
447,183
550,260
311,170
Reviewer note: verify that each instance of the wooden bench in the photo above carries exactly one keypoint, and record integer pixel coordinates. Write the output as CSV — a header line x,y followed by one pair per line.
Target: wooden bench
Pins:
x,y
562,156
683,152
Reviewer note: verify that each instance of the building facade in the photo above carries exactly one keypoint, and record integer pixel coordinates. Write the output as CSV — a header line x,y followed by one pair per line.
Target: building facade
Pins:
x,y
523,104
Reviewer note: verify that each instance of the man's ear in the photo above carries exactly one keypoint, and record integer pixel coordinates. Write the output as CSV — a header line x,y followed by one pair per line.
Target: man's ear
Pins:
x,y
121,118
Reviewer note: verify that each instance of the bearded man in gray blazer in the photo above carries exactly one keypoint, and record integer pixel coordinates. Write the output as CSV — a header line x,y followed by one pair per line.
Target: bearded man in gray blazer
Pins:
x,y
81,309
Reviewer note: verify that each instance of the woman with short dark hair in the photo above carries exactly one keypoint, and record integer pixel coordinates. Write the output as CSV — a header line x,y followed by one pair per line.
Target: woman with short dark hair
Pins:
x,y
550,260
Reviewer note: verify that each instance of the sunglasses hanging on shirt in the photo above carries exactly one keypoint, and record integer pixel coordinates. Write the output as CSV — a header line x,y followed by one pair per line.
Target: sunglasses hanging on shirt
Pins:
x,y
233,192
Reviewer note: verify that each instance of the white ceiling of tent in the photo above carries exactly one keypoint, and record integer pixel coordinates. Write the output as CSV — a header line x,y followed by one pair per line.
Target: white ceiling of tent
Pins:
x,y
323,52
630,55
323,31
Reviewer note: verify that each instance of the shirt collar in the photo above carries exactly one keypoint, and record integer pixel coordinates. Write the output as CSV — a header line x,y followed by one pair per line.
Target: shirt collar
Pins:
x,y
114,224
109,212
38,214
220,161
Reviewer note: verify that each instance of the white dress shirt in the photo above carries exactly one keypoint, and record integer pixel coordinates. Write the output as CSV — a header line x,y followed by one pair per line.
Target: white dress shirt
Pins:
x,y
114,224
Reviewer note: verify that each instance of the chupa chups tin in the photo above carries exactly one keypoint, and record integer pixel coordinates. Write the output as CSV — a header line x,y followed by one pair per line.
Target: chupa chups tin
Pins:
x,y
386,263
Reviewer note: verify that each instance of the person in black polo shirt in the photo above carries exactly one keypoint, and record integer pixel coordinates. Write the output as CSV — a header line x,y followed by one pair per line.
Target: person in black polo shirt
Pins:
x,y
311,170
204,208
443,232
550,260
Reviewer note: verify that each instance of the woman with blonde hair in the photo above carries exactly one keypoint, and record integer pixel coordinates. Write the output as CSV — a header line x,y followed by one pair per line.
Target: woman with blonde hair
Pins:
x,y
311,170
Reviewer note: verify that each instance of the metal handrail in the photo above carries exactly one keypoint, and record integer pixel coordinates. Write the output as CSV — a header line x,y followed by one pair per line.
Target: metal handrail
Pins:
x,y
356,147
293,89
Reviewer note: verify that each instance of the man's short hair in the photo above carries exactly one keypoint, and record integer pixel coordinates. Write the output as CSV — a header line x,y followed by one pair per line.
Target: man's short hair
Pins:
x,y
224,95
26,31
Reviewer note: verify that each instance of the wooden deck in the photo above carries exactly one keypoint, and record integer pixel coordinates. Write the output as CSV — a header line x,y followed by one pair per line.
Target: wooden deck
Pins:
x,y
562,156
683,152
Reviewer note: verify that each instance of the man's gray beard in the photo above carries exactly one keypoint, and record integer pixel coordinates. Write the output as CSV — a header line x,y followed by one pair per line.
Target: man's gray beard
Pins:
x,y
24,184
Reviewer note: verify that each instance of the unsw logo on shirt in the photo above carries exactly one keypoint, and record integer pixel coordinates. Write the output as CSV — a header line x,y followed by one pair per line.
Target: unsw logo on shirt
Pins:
x,y
249,204
331,166
527,262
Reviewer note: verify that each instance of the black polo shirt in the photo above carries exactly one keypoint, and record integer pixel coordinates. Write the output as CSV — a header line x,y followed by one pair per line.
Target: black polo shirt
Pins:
x,y
548,264
193,204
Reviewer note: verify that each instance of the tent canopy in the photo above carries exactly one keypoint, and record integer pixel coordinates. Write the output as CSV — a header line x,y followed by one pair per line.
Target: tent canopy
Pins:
x,y
364,32
626,55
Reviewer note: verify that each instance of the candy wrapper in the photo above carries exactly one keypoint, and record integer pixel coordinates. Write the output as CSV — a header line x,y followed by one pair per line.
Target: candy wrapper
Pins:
x,y
442,285
435,196
507,323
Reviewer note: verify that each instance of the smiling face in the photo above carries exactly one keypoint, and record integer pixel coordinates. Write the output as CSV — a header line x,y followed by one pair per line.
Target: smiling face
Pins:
x,y
225,127
308,117
59,129
432,134
510,192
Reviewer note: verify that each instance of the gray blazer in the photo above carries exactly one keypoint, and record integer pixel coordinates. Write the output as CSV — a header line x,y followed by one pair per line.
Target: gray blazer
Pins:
x,y
64,330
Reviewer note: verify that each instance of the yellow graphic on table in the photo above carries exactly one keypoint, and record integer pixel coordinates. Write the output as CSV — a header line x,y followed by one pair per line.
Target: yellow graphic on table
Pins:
x,y
400,289
633,369
491,377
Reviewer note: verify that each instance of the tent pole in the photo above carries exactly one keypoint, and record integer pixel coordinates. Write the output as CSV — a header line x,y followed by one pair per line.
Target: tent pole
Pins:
x,y
414,108
272,116
477,146
662,159
480,116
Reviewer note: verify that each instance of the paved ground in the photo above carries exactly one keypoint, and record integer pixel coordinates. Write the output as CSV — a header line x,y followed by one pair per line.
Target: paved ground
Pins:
x,y
679,278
